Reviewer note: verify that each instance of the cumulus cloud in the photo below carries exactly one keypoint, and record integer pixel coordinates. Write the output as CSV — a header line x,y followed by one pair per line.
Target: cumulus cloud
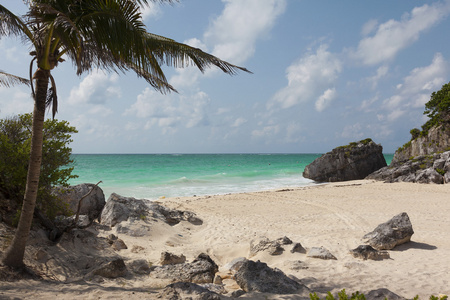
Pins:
x,y
240,25
393,36
95,88
325,99
310,78
15,101
417,87
170,111
151,11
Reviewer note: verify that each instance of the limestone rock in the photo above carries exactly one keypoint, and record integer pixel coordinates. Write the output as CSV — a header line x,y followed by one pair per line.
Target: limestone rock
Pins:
x,y
113,269
258,277
433,168
264,244
368,252
187,290
119,245
394,232
320,252
119,209
351,162
91,206
201,270
168,258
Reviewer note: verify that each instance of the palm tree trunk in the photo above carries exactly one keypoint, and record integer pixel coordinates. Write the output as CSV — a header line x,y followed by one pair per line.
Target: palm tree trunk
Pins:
x,y
15,253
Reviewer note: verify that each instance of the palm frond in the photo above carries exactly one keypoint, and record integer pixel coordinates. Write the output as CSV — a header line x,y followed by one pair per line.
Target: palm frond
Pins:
x,y
52,97
10,24
9,80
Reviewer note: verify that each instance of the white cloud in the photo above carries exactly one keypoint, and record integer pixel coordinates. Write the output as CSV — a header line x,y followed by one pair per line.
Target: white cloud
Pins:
x,y
239,122
417,87
242,22
14,101
151,11
96,88
325,99
266,131
308,79
393,36
381,73
353,132
170,110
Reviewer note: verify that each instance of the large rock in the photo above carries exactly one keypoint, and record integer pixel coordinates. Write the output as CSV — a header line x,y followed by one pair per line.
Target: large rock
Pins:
x,y
91,206
119,209
258,277
392,233
201,270
113,269
351,162
420,169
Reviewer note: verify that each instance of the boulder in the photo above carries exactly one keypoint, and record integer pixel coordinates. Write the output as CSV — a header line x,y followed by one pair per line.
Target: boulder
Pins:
x,y
201,270
258,277
320,252
297,247
119,209
394,232
91,206
368,252
351,162
187,290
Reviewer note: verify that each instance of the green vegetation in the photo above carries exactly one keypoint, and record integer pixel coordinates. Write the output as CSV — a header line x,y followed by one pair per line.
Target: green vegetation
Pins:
x,y
342,295
355,144
15,140
438,110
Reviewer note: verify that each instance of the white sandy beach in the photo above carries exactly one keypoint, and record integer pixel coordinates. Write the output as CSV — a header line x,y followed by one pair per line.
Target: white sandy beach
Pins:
x,y
334,216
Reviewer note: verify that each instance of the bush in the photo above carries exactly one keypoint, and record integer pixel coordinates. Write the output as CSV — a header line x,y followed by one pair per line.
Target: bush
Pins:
x,y
15,140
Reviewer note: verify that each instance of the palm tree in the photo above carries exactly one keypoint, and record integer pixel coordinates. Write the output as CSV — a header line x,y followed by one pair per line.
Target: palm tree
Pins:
x,y
105,34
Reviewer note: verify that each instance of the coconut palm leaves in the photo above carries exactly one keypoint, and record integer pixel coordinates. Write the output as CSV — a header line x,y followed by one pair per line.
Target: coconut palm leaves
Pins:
x,y
105,34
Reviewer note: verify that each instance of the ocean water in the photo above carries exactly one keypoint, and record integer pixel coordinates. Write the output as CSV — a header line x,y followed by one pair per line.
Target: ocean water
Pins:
x,y
152,176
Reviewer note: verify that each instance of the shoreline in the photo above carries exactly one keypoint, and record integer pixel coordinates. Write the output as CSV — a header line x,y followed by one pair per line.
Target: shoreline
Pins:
x,y
332,215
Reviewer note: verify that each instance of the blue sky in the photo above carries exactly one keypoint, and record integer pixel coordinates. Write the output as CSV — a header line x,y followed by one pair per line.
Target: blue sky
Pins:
x,y
326,73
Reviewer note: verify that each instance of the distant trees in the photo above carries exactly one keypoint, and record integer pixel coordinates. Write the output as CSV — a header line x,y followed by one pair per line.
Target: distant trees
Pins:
x,y
15,143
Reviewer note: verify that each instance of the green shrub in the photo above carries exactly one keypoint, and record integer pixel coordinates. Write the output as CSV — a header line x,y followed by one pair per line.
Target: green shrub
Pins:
x,y
15,140
342,295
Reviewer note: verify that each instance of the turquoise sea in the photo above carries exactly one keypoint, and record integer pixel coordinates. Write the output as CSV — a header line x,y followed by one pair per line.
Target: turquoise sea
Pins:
x,y
152,176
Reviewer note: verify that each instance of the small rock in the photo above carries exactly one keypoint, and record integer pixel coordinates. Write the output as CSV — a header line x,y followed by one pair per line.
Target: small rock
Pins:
x,y
320,252
140,266
368,252
113,269
298,248
168,258
187,290
119,245
237,293
217,279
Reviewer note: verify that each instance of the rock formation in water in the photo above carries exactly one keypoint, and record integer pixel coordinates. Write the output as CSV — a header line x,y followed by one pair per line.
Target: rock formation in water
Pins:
x,y
351,162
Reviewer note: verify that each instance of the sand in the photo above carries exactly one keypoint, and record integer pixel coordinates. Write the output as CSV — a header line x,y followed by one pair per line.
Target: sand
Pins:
x,y
334,216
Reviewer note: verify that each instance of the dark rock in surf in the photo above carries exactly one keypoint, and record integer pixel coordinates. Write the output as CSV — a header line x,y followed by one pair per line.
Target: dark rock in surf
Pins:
x,y
351,162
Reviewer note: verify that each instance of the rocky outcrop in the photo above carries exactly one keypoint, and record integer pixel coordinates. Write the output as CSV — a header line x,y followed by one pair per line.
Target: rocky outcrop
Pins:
x,y
91,206
420,169
201,270
258,277
437,140
392,233
351,162
119,209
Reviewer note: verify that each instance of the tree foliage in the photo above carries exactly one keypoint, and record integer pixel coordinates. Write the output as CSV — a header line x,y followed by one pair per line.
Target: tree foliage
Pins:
x,y
15,140
438,108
